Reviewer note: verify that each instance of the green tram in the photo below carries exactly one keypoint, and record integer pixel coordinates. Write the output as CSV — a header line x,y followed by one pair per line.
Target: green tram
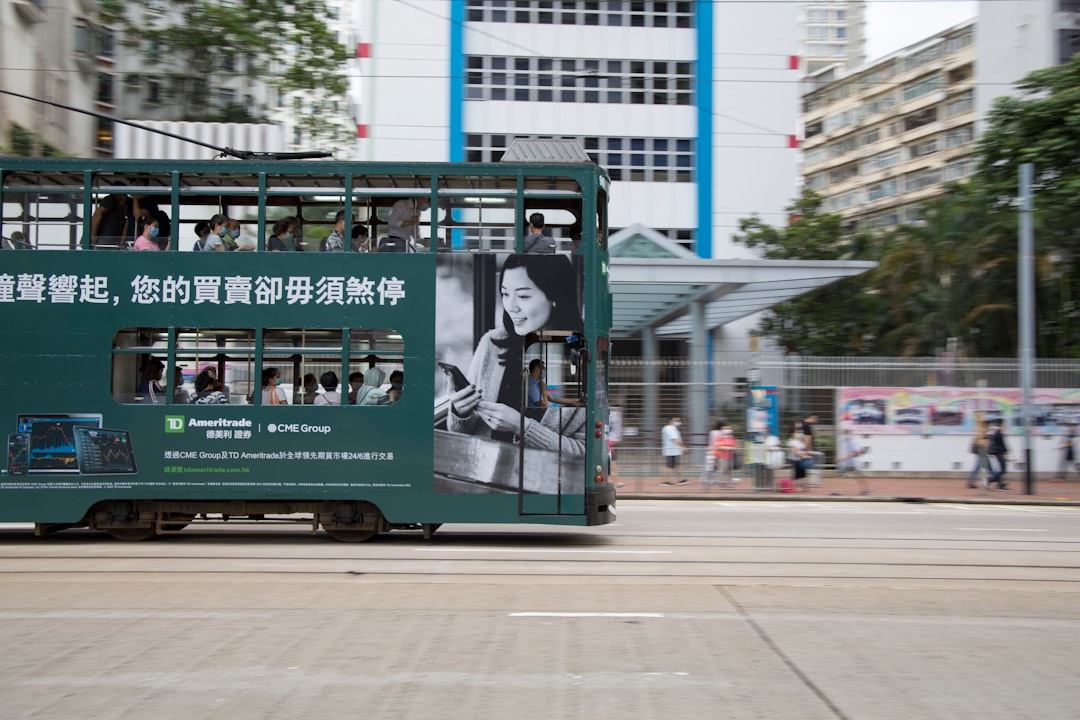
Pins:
x,y
430,372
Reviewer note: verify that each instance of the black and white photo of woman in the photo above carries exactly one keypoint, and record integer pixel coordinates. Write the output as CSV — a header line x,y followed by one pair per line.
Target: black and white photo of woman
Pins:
x,y
537,293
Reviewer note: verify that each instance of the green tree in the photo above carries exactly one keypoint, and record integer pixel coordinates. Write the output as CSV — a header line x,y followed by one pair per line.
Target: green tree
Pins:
x,y
1041,126
285,44
844,318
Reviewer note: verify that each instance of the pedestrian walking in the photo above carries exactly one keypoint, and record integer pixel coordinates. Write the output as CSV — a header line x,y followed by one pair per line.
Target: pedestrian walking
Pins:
x,y
672,448
847,462
981,470
998,450
1067,447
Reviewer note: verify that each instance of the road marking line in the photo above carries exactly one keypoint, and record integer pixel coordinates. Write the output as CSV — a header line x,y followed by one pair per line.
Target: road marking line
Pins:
x,y
586,614
982,529
543,550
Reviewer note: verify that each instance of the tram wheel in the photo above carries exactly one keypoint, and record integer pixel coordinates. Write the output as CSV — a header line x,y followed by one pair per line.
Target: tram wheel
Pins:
x,y
132,534
352,521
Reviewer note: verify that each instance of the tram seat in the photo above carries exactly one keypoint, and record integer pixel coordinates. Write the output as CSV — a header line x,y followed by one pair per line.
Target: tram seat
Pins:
x,y
389,243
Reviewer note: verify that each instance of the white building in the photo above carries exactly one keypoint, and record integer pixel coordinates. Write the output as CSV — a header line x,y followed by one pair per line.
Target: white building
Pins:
x,y
832,32
692,107
1018,36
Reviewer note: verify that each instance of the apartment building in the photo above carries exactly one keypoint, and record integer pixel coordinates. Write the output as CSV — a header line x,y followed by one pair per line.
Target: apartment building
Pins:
x,y
832,32
46,52
885,137
65,51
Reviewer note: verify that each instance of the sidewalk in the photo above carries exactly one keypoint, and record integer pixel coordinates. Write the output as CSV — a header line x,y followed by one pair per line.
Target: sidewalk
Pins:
x,y
844,489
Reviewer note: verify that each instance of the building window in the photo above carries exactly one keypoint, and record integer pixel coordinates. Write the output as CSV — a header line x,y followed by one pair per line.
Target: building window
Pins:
x,y
612,13
579,80
106,89
922,179
628,159
924,148
960,104
881,161
881,190
84,38
959,136
153,92
959,169
919,119
106,43
922,86
926,55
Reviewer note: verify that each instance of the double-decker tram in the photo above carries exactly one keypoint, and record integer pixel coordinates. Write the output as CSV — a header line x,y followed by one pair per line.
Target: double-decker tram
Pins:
x,y
360,347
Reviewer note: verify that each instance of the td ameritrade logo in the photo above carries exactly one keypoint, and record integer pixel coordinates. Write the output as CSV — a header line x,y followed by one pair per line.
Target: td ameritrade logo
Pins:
x,y
178,423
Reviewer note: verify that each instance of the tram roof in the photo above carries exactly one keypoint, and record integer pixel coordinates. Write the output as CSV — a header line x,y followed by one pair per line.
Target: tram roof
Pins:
x,y
298,177
654,281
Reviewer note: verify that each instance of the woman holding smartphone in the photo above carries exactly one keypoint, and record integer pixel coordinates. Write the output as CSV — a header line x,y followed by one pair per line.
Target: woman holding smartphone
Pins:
x,y
538,293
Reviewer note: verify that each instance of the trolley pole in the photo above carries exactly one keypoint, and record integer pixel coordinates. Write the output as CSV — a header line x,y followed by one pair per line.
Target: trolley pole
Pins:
x,y
1026,270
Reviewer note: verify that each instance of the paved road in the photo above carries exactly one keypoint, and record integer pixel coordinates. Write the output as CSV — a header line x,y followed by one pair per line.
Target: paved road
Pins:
x,y
680,610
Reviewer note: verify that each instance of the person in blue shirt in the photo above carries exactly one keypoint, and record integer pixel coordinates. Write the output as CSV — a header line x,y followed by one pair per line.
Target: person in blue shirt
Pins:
x,y
537,394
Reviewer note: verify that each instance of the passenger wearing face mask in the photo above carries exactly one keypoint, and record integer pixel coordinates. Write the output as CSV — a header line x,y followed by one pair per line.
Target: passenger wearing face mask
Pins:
x,y
272,392
240,241
218,230
284,235
148,239
672,448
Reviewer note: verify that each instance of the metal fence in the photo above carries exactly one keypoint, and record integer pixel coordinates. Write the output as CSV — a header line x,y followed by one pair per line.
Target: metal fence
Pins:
x,y
649,392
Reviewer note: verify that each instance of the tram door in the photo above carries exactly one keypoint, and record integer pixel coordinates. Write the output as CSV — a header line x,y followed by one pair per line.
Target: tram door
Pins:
x,y
551,478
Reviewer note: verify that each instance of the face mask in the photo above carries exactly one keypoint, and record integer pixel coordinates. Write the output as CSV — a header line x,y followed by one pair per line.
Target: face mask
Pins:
x,y
222,232
678,423
153,232
277,381
288,237
234,233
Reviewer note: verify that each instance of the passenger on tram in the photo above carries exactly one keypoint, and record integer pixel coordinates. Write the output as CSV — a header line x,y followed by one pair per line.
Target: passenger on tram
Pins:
x,y
536,241
356,379
360,240
335,242
112,223
272,392
202,232
330,394
148,239
284,236
180,394
403,233
397,385
370,393
242,242
206,390
150,391
218,230
307,394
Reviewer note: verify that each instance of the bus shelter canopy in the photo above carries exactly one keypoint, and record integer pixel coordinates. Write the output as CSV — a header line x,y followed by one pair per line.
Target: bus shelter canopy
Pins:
x,y
654,281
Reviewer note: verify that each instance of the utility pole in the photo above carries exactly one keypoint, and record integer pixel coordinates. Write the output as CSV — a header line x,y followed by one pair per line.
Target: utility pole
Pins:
x,y
1026,270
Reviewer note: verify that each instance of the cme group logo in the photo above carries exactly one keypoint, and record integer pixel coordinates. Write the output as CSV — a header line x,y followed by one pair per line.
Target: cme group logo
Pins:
x,y
174,423
302,428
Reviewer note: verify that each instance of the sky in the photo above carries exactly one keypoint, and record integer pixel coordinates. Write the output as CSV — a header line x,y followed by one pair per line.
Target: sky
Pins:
x,y
893,24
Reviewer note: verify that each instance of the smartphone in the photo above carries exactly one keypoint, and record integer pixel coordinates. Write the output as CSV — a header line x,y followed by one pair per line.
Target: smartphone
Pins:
x,y
456,376
18,453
